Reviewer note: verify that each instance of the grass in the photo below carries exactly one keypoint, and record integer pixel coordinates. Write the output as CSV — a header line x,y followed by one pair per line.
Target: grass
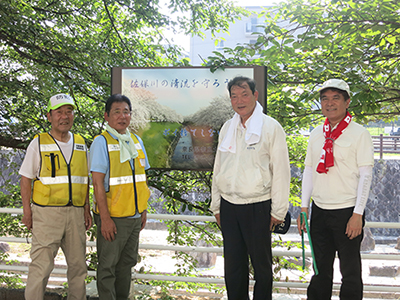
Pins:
x,y
376,130
392,155
159,146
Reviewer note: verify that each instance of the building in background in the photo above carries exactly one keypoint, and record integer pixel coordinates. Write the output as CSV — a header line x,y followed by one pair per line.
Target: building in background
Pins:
x,y
240,32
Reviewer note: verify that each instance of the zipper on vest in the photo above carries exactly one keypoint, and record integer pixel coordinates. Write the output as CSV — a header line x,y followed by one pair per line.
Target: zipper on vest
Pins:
x,y
53,165
69,184
134,186
68,167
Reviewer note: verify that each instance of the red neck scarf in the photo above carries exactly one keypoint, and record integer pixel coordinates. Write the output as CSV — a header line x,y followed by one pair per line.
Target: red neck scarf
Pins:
x,y
326,161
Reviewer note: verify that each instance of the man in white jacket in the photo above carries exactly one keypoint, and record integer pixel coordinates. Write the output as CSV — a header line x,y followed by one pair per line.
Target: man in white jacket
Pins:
x,y
250,190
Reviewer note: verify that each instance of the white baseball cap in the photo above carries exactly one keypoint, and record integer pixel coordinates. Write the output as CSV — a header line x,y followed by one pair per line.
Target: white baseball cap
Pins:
x,y
59,100
337,84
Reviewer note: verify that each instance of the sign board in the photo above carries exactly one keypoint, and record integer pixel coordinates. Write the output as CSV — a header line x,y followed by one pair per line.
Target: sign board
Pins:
x,y
178,111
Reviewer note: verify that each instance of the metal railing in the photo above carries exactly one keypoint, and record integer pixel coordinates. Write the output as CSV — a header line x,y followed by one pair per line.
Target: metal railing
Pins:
x,y
386,144
218,250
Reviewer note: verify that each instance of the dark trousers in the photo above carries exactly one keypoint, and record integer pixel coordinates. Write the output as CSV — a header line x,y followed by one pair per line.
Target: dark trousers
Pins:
x,y
245,230
328,236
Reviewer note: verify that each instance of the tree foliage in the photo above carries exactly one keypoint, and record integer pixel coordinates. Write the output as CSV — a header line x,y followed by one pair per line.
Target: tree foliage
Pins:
x,y
304,43
215,114
69,46
48,47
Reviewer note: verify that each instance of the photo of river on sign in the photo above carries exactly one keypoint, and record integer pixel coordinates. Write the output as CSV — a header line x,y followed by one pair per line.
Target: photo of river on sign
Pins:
x,y
178,112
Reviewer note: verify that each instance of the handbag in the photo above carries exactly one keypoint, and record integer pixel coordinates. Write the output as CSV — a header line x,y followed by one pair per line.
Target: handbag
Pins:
x,y
283,227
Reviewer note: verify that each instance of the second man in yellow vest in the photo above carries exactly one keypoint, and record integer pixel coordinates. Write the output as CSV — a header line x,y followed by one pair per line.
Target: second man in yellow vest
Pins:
x,y
118,162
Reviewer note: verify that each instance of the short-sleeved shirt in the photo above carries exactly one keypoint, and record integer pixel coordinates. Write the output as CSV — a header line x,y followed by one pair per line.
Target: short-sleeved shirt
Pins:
x,y
99,160
31,165
337,189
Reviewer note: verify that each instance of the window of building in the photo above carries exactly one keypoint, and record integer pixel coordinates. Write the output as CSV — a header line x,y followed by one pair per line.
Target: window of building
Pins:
x,y
220,45
252,25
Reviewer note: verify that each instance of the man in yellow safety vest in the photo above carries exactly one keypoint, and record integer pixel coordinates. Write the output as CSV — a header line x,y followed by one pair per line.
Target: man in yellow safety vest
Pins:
x,y
118,162
59,212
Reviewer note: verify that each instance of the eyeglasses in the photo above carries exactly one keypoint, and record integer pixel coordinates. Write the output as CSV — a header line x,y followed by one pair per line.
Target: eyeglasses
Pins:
x,y
119,112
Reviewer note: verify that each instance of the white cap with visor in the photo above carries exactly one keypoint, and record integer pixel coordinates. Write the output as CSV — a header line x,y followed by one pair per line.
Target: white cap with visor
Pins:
x,y
337,84
59,100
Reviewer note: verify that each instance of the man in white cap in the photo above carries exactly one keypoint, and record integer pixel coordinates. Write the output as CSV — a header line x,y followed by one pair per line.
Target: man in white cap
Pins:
x,y
337,174
56,208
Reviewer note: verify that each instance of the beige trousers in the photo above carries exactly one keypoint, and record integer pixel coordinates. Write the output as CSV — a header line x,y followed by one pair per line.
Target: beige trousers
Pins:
x,y
52,228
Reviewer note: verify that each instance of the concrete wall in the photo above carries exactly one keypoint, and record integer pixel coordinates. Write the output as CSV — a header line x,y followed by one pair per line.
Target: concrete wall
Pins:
x,y
384,198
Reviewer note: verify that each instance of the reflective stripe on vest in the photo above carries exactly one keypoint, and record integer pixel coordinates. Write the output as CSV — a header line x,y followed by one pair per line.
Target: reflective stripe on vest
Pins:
x,y
64,179
127,179
61,183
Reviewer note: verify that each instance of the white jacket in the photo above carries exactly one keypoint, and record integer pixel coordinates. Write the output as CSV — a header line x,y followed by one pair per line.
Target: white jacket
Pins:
x,y
256,172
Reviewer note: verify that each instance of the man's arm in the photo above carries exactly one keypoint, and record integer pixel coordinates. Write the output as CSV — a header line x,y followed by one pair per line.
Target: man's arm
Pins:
x,y
29,170
215,192
108,228
306,191
365,161
87,214
218,219
26,192
280,169
355,224
143,216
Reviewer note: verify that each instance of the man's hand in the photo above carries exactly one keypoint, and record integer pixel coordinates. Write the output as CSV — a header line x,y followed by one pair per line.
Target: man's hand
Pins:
x,y
27,218
88,217
273,223
26,192
144,219
302,226
217,217
354,226
108,229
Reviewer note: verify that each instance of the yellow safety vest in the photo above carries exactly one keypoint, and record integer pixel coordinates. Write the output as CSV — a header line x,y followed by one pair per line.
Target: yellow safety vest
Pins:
x,y
128,191
61,183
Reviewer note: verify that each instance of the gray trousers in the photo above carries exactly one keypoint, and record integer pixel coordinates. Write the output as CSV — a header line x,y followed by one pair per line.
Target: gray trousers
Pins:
x,y
116,258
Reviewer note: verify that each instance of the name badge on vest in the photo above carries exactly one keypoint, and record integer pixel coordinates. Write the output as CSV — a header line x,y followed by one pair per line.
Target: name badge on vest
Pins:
x,y
113,147
142,162
80,147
